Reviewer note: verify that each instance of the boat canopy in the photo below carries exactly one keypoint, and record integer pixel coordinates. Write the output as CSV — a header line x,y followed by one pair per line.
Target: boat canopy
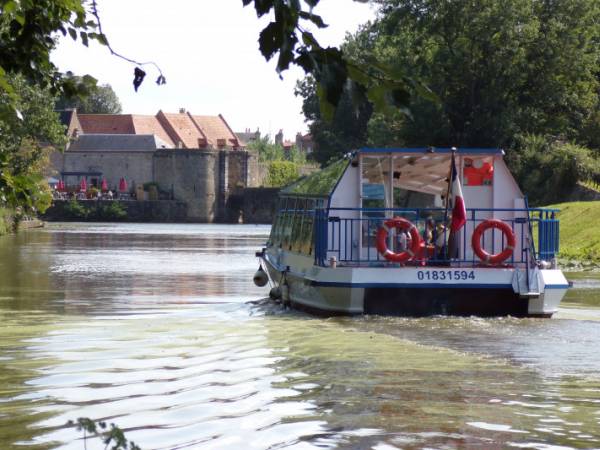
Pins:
x,y
423,169
419,169
318,184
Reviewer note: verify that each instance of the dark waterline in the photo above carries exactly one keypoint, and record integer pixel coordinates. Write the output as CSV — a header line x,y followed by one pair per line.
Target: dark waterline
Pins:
x,y
158,329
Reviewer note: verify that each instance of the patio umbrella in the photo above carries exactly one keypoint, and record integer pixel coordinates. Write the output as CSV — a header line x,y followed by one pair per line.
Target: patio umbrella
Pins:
x,y
83,185
60,187
122,185
104,185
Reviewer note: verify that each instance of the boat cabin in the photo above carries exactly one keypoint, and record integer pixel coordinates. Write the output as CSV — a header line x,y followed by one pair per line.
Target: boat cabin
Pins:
x,y
381,207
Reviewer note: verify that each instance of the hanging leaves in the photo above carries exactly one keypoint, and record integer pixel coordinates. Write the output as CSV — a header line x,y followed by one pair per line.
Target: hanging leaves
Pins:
x,y
138,77
370,82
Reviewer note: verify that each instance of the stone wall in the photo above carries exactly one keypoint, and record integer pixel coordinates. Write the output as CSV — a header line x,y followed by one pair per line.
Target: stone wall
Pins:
x,y
203,179
259,204
135,166
192,176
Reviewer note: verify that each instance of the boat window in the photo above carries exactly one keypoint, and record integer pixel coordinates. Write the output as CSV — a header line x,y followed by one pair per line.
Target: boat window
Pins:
x,y
307,228
297,225
277,229
287,222
420,181
375,182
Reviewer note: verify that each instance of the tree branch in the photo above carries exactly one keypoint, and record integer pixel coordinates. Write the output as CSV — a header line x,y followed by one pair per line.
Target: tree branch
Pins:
x,y
161,79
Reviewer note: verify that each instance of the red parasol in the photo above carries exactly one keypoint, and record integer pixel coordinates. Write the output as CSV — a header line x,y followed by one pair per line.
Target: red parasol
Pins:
x,y
104,185
83,185
122,185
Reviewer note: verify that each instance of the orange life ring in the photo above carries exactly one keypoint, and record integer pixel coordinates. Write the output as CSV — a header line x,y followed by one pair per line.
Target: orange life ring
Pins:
x,y
496,258
399,224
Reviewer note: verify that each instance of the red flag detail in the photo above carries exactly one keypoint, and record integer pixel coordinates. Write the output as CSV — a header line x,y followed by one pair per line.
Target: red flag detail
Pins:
x,y
459,212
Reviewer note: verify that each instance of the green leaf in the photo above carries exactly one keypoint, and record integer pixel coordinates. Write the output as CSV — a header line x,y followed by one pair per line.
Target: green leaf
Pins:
x,y
286,53
306,61
9,7
317,20
263,7
270,39
327,108
358,75
425,92
73,33
101,38
84,38
358,93
309,39
377,95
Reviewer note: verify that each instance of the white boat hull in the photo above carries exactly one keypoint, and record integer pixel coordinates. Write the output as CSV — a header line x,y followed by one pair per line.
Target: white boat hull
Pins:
x,y
417,291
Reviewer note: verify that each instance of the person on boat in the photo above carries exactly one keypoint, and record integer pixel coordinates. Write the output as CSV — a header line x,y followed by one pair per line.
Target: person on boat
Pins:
x,y
402,241
434,238
430,233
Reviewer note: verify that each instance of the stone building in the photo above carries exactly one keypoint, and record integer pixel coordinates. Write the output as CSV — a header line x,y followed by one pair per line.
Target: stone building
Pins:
x,y
192,158
248,136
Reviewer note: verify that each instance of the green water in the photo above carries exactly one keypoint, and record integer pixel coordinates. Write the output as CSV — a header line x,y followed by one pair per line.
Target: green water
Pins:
x,y
159,329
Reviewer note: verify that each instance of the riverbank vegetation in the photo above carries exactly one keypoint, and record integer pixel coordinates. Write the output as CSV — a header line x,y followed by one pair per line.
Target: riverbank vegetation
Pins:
x,y
282,165
94,211
579,232
26,142
6,221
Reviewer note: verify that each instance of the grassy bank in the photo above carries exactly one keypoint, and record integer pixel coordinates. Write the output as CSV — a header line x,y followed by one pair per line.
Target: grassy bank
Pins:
x,y
579,231
6,221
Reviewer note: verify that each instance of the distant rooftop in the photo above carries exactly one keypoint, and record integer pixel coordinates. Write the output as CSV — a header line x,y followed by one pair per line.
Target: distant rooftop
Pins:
x,y
117,142
181,129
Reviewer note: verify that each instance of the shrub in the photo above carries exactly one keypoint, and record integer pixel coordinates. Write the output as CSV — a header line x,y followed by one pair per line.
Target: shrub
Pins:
x,y
75,210
110,211
282,173
548,170
148,185
6,221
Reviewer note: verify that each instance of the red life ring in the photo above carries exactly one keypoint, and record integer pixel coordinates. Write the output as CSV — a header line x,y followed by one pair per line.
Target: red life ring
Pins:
x,y
399,224
507,231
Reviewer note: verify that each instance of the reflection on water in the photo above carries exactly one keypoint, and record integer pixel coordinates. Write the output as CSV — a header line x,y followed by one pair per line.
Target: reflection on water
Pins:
x,y
150,327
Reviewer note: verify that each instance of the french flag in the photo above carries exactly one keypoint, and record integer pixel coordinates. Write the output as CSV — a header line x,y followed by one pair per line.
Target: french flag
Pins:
x,y
459,212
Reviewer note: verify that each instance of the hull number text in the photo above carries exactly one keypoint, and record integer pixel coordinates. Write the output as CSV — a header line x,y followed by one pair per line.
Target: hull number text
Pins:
x,y
443,275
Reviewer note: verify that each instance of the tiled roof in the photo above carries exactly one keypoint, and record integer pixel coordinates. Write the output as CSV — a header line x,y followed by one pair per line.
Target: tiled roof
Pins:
x,y
216,129
116,142
174,129
151,125
181,128
69,118
106,123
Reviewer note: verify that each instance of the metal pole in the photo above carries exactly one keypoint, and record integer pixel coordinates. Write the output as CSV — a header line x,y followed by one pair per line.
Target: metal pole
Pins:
x,y
448,205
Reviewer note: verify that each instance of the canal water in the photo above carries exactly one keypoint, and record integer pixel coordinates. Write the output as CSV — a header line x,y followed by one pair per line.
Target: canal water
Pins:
x,y
159,329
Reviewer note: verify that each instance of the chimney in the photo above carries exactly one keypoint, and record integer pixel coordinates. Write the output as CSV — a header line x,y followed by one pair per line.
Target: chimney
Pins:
x,y
181,110
179,144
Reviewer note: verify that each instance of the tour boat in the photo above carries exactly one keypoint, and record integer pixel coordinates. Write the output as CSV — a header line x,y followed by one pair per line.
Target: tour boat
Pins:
x,y
414,232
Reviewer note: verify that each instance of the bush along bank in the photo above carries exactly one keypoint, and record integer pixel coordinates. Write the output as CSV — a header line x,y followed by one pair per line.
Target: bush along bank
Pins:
x,y
117,211
7,222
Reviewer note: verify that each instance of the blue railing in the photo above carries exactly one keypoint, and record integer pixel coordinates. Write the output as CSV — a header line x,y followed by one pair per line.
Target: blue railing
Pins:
x,y
349,234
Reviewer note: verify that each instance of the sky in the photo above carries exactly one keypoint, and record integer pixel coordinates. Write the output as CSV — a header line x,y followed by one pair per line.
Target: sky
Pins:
x,y
208,52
